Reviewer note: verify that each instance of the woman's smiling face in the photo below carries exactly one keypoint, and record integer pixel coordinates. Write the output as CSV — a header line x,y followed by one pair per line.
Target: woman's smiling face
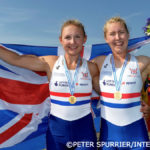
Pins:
x,y
72,39
117,37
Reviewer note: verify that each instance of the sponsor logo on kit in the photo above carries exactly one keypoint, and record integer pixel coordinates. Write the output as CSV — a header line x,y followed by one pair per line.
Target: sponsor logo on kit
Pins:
x,y
57,67
112,83
61,83
105,66
108,83
130,83
84,84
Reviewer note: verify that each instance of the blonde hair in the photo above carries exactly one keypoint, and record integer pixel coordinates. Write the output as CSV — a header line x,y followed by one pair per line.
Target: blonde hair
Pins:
x,y
114,20
74,22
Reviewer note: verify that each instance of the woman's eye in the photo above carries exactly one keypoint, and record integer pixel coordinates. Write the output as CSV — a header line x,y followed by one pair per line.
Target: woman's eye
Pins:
x,y
112,34
67,37
122,32
77,36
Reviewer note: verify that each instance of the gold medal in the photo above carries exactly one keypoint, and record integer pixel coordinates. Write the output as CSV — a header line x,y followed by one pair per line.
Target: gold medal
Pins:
x,y
117,95
72,99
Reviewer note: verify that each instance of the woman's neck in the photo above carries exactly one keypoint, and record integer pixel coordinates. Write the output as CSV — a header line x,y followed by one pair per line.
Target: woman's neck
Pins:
x,y
71,61
119,59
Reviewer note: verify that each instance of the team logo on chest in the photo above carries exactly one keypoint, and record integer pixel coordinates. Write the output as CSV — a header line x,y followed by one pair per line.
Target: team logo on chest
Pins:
x,y
133,71
84,76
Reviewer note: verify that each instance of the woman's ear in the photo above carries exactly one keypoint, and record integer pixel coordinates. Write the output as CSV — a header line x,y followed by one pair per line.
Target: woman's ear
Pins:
x,y
128,35
60,39
105,39
85,39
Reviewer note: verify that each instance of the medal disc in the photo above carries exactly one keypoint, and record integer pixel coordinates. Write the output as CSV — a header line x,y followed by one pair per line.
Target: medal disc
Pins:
x,y
117,95
72,99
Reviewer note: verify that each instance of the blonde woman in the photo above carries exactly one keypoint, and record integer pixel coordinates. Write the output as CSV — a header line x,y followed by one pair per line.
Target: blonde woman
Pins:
x,y
121,79
71,80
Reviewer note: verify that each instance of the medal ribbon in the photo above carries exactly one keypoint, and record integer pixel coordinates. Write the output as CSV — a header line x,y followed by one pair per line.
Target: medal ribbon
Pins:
x,y
118,83
72,84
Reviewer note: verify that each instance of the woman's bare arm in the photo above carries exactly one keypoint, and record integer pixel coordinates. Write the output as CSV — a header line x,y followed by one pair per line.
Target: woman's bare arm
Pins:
x,y
26,61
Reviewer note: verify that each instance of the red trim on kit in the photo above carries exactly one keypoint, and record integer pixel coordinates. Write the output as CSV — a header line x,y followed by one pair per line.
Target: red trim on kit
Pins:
x,y
124,95
68,94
